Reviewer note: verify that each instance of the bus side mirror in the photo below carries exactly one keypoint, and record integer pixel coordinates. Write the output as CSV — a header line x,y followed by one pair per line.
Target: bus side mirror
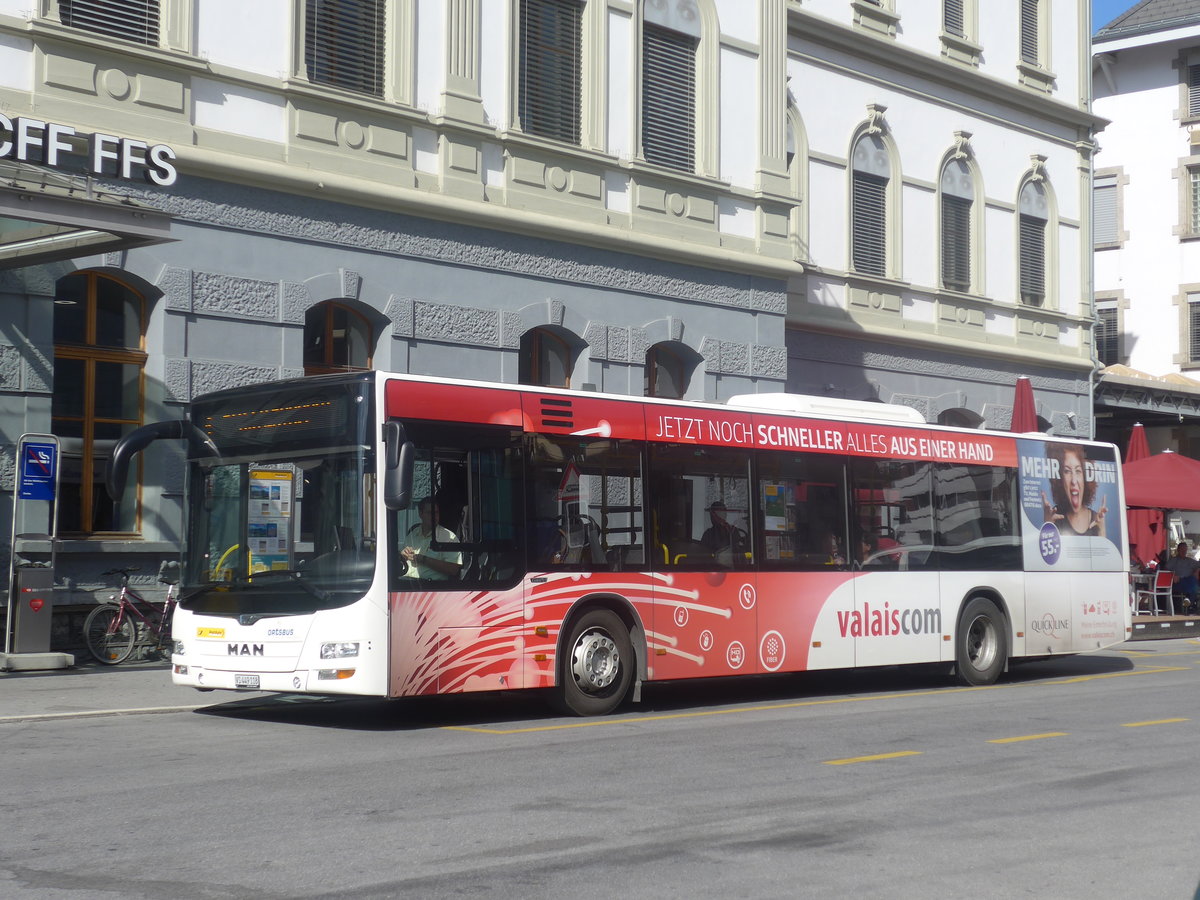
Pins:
x,y
117,470
398,466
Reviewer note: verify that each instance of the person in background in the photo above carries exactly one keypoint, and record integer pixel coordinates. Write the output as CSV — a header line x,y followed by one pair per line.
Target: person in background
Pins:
x,y
423,561
1184,568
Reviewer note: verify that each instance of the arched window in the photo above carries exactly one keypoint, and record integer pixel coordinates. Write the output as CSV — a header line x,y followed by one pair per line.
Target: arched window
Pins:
x,y
99,360
545,359
871,172
1033,215
667,372
957,198
336,339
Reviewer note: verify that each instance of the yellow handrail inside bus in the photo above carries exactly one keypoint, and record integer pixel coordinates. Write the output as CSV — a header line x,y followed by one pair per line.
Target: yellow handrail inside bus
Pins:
x,y
220,562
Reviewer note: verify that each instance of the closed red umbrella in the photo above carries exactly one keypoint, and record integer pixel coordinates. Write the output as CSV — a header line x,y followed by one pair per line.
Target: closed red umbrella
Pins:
x,y
1139,447
1146,538
1024,414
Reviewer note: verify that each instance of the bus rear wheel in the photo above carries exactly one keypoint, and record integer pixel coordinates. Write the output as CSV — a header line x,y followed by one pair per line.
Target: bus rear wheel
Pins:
x,y
597,665
981,648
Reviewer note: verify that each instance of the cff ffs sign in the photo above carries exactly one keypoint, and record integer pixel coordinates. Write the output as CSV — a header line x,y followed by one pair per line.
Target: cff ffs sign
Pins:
x,y
39,465
35,141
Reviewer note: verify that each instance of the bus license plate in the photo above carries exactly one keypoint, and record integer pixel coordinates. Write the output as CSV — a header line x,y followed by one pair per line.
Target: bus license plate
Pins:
x,y
245,681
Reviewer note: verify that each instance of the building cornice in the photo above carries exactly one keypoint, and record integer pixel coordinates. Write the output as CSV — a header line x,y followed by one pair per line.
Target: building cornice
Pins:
x,y
332,187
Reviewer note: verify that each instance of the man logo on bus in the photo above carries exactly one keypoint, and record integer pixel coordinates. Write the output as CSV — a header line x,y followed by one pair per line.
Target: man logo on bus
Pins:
x,y
245,649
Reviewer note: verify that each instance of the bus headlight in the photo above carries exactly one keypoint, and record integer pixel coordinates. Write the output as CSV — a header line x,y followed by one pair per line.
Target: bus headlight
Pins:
x,y
177,648
339,649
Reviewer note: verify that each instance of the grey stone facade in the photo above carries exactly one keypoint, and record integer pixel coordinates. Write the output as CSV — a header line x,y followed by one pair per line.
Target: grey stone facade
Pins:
x,y
226,304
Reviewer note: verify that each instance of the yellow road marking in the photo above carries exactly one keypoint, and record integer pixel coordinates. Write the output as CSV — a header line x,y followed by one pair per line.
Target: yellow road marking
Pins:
x,y
798,704
1153,722
859,759
1029,737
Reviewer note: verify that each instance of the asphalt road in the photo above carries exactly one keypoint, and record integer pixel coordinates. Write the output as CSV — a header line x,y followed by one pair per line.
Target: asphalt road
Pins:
x,y
1072,778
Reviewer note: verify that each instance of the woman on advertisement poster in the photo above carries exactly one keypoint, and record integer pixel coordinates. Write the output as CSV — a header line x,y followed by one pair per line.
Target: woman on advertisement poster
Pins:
x,y
1069,492
1072,493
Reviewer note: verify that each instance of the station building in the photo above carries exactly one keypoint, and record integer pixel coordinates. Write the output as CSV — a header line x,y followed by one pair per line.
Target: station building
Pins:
x,y
864,199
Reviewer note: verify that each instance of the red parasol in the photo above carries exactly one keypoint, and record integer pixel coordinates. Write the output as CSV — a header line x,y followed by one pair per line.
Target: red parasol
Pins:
x,y
1024,414
1163,481
1146,537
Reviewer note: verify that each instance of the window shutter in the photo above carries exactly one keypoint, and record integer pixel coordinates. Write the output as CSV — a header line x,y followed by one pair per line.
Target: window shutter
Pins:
x,y
1193,327
1106,335
130,20
1033,260
869,224
1029,32
343,44
952,17
956,243
549,80
1194,212
1104,211
668,98
1194,90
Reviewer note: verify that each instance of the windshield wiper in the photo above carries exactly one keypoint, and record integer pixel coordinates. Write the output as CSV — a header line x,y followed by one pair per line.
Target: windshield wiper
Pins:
x,y
294,574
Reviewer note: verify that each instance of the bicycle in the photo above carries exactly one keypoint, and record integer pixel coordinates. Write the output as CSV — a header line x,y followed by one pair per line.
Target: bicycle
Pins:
x,y
111,629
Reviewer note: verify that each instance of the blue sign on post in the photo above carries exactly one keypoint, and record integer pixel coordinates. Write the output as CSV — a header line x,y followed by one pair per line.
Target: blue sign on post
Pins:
x,y
39,463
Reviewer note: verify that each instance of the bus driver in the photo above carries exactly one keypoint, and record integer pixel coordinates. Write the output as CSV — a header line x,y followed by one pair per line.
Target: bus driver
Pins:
x,y
423,561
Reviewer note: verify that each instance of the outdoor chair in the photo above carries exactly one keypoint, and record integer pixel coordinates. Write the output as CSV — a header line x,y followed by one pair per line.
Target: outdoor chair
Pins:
x,y
1160,590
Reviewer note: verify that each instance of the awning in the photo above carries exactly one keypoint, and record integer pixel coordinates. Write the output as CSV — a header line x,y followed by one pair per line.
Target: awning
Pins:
x,y
47,215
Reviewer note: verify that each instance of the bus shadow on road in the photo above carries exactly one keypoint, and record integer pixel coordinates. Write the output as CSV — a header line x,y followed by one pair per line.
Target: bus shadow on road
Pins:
x,y
532,709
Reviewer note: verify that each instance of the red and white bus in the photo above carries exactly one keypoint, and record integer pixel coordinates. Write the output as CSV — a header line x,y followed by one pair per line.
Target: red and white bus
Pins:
x,y
388,535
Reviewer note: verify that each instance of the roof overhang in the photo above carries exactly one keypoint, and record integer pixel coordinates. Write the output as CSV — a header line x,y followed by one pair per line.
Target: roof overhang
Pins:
x,y
48,215
1126,393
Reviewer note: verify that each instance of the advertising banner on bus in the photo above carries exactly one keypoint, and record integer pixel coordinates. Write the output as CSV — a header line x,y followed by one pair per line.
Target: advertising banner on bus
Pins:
x,y
1070,504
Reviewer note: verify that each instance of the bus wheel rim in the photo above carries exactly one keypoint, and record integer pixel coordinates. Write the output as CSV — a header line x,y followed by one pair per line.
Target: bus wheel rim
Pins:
x,y
981,642
595,662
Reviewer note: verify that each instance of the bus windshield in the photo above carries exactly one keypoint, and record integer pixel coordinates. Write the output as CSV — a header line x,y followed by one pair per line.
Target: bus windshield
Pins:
x,y
282,515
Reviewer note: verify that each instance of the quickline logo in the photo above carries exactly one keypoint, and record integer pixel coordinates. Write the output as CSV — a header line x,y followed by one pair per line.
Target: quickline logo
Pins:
x,y
875,621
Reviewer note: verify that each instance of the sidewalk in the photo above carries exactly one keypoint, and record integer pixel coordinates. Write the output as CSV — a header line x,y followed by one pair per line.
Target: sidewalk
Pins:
x,y
94,690
1157,628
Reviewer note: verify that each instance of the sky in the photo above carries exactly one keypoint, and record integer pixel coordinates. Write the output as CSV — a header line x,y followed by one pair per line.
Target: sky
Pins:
x,y
1104,11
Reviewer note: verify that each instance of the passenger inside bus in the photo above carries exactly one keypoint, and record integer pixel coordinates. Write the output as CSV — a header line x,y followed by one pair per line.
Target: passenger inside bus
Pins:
x,y
722,540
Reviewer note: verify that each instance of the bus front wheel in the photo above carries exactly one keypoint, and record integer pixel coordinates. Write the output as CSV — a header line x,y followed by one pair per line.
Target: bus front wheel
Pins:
x,y
598,664
981,649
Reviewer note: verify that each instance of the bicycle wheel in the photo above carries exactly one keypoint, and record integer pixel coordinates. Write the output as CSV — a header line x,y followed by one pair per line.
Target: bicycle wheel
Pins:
x,y
108,640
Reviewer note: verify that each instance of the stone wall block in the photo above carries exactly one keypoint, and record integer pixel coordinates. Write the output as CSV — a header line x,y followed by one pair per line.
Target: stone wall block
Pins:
x,y
296,300
176,285
596,337
618,344
177,380
242,298
351,284
769,362
400,311
512,326
456,324
210,375
10,368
